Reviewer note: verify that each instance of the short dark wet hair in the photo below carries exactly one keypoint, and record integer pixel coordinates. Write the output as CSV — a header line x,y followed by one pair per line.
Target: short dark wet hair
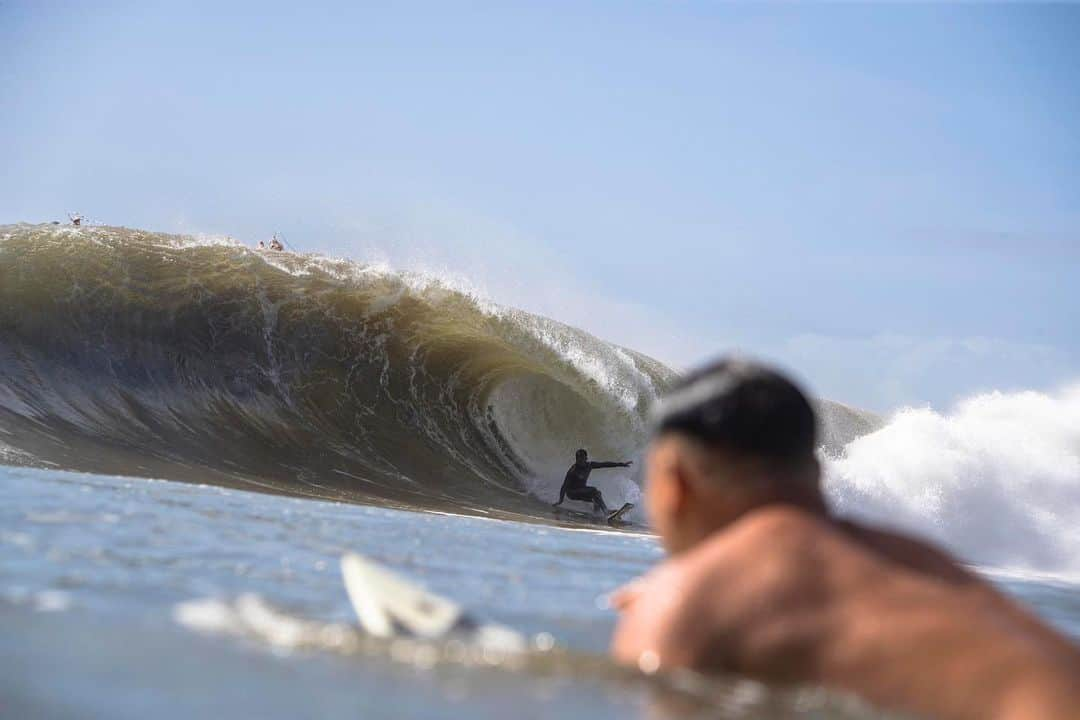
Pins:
x,y
580,452
741,406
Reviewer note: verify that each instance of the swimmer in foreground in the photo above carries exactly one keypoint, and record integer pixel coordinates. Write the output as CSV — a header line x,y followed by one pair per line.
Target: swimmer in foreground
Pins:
x,y
764,581
575,484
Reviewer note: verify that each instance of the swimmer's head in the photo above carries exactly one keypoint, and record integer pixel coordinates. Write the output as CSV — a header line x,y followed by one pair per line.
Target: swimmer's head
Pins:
x,y
742,407
729,437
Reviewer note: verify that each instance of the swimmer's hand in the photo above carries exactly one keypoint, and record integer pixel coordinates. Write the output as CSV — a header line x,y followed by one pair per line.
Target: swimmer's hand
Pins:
x,y
627,595
628,463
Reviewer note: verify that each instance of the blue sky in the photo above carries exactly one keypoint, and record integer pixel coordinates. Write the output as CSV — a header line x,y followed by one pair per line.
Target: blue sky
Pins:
x,y
885,199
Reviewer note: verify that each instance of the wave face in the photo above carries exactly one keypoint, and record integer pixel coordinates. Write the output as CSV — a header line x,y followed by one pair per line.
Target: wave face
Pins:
x,y
140,353
997,480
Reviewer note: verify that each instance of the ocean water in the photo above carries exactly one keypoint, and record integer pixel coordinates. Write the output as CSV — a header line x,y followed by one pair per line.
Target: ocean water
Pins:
x,y
122,596
127,597
193,432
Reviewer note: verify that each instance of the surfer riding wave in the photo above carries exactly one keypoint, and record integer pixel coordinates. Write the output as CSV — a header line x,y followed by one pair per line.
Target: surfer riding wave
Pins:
x,y
575,485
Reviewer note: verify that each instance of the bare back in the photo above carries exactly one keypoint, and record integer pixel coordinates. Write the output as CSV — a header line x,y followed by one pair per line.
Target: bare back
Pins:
x,y
786,596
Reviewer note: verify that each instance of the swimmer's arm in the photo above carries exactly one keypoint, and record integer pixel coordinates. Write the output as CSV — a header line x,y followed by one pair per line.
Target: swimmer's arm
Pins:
x,y
654,630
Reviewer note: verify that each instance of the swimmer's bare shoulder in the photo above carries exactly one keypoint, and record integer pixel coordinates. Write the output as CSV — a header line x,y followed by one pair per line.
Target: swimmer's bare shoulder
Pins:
x,y
790,597
731,603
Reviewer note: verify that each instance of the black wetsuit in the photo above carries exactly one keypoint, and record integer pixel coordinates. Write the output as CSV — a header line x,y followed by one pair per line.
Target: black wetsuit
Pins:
x,y
575,484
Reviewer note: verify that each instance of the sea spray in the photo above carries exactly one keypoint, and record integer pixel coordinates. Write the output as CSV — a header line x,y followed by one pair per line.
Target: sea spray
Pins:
x,y
996,479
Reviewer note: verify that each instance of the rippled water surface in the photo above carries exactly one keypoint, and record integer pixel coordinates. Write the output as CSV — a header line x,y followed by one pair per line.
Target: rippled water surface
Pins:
x,y
124,597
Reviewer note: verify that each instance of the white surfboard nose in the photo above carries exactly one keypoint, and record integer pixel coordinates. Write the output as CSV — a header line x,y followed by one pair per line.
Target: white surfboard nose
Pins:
x,y
387,605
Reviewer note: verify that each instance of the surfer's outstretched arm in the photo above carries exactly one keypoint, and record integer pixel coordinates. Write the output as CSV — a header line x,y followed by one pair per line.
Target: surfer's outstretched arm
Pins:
x,y
608,464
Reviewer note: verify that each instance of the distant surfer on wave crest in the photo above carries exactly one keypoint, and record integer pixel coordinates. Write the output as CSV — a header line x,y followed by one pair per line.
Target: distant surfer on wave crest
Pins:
x,y
763,580
575,485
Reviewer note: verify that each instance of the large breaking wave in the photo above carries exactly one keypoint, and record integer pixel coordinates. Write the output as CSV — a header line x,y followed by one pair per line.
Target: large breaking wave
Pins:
x,y
141,353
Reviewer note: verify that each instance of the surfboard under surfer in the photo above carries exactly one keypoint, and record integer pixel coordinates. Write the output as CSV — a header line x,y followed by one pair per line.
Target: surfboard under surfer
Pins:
x,y
575,485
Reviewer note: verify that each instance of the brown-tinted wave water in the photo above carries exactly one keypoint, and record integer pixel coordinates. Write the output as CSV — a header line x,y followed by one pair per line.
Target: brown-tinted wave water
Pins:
x,y
140,353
